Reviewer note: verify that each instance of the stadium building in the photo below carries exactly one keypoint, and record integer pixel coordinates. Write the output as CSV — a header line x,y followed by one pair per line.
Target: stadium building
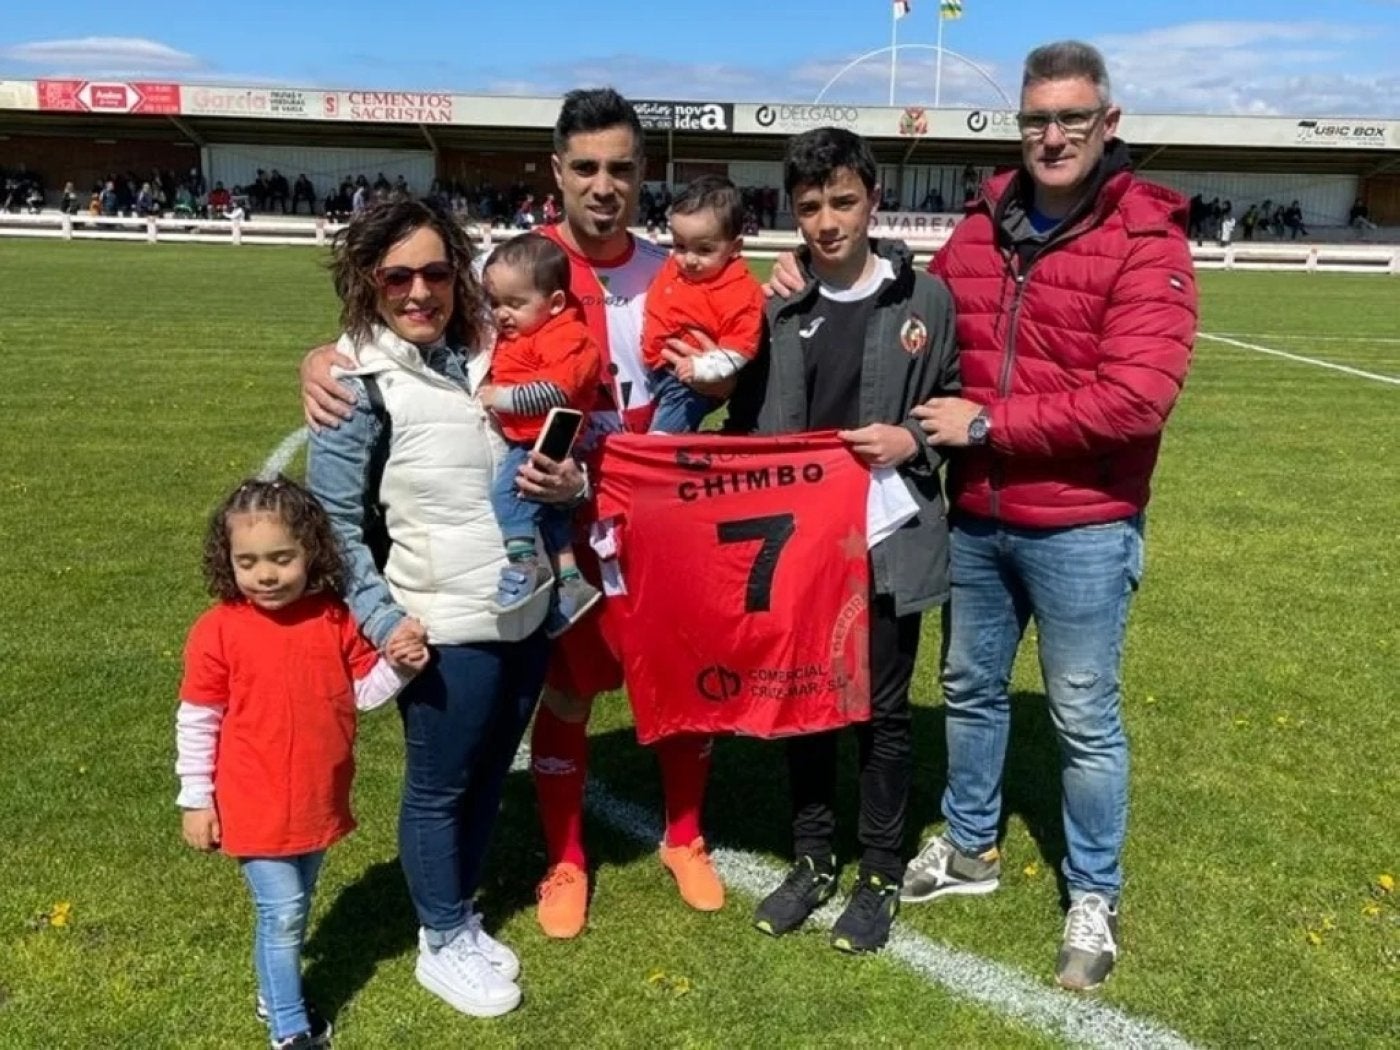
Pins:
x,y
79,131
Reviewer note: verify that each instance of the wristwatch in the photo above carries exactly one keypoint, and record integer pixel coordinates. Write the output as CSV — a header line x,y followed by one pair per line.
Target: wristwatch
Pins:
x,y
979,429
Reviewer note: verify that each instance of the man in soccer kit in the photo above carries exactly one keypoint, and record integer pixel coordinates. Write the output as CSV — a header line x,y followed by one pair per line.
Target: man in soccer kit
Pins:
x,y
866,340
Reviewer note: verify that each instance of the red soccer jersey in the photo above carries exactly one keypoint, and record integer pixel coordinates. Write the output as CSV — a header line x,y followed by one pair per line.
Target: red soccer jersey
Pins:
x,y
613,294
728,309
747,576
562,352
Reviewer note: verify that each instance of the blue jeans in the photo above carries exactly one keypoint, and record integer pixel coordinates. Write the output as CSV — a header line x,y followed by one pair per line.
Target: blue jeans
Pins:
x,y
519,517
281,888
463,718
1077,583
678,409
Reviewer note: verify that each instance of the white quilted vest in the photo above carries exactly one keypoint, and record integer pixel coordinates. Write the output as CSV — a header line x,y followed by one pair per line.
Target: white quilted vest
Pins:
x,y
446,550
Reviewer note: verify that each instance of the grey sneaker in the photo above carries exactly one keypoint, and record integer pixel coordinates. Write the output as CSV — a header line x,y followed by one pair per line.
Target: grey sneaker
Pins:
x,y
520,581
506,962
1090,945
941,869
572,598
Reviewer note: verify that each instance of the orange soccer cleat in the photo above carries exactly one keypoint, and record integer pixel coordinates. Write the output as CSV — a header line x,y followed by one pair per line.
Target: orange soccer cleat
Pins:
x,y
695,875
563,901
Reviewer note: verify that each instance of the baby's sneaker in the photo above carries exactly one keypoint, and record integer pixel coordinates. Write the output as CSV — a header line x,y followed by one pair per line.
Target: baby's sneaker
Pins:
x,y
572,599
520,581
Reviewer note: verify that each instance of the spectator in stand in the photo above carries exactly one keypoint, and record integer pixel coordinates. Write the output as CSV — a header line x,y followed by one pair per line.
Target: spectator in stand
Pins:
x,y
95,200
525,214
184,202
302,190
110,199
34,199
770,207
1360,218
549,210
1250,220
278,192
400,191
220,200
146,202
69,203
360,200
1293,220
971,180
381,184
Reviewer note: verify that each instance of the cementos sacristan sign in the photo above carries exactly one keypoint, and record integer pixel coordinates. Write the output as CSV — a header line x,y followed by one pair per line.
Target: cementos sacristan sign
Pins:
x,y
389,107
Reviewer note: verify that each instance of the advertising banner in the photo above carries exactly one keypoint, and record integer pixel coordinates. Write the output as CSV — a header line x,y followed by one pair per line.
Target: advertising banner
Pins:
x,y
101,96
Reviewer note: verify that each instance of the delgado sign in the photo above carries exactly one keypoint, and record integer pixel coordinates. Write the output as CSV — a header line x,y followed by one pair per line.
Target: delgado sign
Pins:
x,y
100,96
389,107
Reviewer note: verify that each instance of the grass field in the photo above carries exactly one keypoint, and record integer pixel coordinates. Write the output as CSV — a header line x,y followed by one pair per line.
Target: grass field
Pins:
x,y
1261,693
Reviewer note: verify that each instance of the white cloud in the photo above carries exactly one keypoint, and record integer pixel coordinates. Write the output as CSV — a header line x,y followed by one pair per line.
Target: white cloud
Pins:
x,y
102,55
1302,68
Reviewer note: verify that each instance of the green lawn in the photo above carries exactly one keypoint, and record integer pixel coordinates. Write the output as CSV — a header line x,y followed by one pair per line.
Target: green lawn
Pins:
x,y
1262,680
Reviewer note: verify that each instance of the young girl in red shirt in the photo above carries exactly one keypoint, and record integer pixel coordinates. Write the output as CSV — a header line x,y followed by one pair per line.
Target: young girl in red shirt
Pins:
x,y
274,675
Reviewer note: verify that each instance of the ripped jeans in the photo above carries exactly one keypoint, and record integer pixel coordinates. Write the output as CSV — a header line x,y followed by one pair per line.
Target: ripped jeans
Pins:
x,y
1077,583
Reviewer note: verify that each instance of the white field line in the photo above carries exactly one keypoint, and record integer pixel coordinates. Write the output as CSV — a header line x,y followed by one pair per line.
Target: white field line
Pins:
x,y
284,453
1374,376
1306,337
1075,1019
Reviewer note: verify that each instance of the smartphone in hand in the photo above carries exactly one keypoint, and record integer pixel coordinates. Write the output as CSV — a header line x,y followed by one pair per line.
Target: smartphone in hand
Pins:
x,y
560,431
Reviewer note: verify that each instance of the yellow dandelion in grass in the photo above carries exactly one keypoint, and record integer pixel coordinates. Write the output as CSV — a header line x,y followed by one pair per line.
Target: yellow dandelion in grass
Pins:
x,y
1240,723
1150,699
1031,870
1314,938
1385,883
60,913
1370,909
1282,721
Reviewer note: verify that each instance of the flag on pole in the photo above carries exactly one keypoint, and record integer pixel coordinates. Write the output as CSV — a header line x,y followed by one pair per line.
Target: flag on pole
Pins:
x,y
902,8
949,8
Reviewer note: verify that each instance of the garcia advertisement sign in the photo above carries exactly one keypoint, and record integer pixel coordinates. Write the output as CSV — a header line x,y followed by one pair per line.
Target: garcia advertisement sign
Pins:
x,y
685,116
249,102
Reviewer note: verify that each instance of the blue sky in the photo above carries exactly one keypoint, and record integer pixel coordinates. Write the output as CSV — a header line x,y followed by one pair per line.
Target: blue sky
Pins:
x,y
1323,58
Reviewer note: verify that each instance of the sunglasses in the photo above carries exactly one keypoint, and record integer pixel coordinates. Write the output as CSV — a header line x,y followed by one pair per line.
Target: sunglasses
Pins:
x,y
398,280
1075,123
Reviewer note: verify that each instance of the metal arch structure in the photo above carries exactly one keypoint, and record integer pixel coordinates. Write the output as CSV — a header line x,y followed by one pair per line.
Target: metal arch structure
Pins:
x,y
979,70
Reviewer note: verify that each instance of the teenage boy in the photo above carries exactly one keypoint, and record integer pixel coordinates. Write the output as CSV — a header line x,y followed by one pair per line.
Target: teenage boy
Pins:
x,y
866,340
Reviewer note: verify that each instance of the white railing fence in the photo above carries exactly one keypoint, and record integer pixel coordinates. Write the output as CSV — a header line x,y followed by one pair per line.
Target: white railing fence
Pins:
x,y
1250,255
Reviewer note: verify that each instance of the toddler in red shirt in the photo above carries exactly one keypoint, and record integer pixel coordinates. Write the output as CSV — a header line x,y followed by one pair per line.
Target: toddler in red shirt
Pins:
x,y
545,357
704,312
265,733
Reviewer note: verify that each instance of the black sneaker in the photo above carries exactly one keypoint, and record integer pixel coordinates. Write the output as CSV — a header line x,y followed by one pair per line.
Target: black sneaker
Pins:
x,y
318,1036
808,885
1090,945
865,924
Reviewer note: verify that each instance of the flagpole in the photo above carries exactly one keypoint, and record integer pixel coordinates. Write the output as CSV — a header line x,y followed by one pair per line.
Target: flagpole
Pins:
x,y
938,68
894,47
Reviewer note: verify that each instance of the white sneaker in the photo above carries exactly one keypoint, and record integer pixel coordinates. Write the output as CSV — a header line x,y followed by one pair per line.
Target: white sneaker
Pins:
x,y
460,975
506,962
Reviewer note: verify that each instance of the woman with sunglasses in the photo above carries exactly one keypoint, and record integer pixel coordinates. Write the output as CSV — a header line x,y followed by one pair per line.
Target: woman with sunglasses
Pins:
x,y
416,462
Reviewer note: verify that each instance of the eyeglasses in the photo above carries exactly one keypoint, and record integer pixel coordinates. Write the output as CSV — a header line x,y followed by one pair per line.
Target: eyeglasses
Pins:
x,y
398,280
1075,123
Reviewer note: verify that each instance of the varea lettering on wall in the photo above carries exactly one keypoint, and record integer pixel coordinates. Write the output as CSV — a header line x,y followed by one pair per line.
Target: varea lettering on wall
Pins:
x,y
685,116
912,223
1340,133
801,118
391,107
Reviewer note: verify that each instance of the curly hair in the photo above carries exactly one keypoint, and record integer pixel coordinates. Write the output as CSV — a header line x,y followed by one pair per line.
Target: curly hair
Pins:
x,y
297,509
360,247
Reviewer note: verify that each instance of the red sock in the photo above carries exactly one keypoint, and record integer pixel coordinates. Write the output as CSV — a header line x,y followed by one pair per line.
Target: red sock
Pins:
x,y
685,767
559,761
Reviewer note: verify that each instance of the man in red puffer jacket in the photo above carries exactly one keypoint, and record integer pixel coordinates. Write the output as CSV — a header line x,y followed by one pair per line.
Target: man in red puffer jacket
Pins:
x,y
1076,313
